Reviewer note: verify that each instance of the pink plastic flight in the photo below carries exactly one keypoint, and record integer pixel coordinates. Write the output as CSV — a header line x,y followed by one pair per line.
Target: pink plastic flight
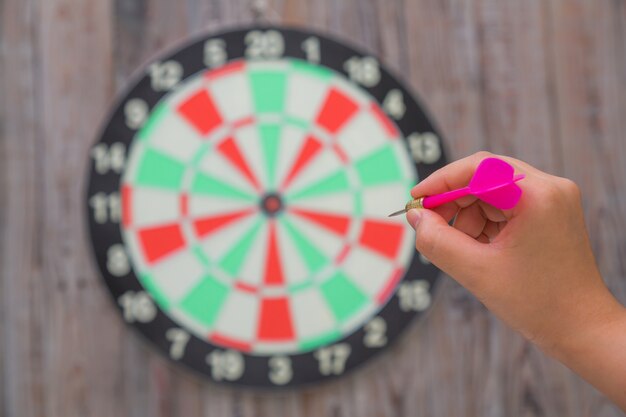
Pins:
x,y
493,182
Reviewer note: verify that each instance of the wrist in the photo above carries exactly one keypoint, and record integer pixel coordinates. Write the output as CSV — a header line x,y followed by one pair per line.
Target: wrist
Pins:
x,y
597,353
593,323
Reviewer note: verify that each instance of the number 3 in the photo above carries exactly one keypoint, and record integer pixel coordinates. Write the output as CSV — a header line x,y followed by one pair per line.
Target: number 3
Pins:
x,y
280,370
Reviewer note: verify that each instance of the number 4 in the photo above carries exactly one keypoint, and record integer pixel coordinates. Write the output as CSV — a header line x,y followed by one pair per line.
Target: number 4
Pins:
x,y
394,105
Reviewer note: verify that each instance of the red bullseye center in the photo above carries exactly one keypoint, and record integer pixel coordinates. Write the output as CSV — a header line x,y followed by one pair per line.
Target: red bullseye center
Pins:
x,y
271,204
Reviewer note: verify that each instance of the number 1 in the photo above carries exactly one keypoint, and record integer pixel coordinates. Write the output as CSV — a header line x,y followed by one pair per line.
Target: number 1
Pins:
x,y
311,47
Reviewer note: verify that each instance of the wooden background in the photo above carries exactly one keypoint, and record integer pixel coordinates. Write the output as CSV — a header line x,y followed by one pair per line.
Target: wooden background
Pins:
x,y
544,81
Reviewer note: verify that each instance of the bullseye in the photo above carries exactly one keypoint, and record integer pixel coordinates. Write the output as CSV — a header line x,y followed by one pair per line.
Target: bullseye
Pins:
x,y
271,204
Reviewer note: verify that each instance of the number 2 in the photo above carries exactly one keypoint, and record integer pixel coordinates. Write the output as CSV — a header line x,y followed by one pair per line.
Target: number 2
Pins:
x,y
375,333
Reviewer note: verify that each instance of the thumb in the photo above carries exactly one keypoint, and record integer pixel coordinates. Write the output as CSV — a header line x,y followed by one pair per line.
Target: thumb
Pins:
x,y
451,250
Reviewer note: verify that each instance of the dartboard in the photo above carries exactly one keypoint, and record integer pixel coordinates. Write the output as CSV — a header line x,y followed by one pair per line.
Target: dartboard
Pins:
x,y
237,205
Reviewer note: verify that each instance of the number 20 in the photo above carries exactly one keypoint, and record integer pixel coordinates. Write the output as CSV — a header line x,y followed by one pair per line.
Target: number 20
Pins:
x,y
268,44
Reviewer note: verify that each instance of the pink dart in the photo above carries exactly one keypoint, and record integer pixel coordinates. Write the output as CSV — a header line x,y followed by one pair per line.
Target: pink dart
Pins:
x,y
493,182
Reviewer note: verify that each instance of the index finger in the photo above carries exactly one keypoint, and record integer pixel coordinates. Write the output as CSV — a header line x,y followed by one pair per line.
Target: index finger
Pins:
x,y
450,177
459,173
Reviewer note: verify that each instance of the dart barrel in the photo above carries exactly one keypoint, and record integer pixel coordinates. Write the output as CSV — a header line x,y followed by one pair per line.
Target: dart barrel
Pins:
x,y
418,203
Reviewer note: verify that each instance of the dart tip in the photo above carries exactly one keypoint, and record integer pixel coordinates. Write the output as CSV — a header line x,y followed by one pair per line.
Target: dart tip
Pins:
x,y
397,213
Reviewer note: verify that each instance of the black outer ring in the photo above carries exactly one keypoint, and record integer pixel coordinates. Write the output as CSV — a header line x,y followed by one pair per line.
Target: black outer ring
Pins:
x,y
190,55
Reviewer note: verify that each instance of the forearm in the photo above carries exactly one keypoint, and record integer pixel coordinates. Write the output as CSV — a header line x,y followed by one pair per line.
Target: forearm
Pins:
x,y
598,353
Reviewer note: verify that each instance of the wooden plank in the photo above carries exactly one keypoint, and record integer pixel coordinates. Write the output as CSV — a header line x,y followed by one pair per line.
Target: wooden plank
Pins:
x,y
593,121
20,268
4,188
143,30
80,367
588,50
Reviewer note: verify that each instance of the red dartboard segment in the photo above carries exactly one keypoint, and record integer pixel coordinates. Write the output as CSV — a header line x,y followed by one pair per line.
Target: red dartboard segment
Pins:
x,y
390,128
230,150
340,153
127,205
222,340
245,287
207,225
243,122
160,241
342,255
311,147
273,265
336,111
227,69
201,112
388,289
275,323
184,204
382,237
333,222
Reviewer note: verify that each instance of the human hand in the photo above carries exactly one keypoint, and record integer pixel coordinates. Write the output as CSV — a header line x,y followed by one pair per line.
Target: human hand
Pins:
x,y
532,265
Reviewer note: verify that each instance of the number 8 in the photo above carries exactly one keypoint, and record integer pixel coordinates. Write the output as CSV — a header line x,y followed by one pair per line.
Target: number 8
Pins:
x,y
117,260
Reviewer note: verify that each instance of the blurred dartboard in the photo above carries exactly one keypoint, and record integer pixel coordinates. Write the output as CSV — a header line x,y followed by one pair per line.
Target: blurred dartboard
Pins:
x,y
238,199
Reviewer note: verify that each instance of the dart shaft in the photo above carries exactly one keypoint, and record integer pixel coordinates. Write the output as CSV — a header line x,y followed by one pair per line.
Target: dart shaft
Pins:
x,y
439,199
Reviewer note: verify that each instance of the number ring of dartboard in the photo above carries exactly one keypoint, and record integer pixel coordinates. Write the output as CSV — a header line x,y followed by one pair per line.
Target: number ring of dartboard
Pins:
x,y
237,206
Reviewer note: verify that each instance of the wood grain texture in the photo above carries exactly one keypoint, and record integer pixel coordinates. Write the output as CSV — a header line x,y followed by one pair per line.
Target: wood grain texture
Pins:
x,y
539,80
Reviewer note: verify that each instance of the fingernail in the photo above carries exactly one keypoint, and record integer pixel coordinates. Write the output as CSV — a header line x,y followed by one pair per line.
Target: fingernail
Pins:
x,y
413,216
